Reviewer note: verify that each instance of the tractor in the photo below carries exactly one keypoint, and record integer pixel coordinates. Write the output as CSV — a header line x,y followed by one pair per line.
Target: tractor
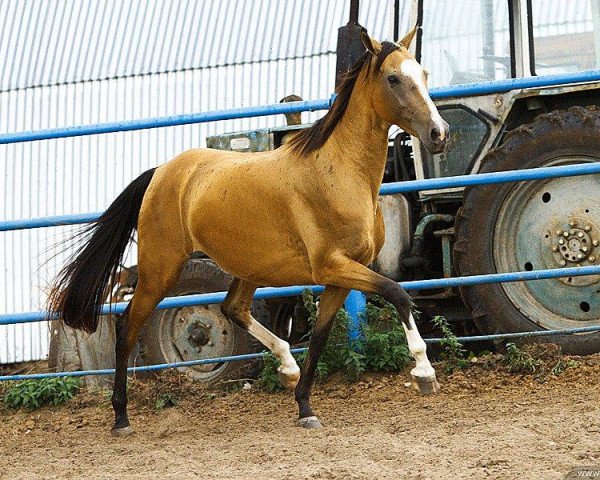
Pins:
x,y
456,232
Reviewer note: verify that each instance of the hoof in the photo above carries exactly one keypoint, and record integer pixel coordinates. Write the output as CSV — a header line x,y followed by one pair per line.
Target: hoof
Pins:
x,y
289,378
309,422
121,432
426,385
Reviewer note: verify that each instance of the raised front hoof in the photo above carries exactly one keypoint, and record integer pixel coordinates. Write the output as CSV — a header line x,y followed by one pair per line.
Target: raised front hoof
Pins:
x,y
309,422
288,378
426,385
121,432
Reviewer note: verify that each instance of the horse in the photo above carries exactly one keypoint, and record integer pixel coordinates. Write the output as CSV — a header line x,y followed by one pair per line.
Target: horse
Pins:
x,y
305,213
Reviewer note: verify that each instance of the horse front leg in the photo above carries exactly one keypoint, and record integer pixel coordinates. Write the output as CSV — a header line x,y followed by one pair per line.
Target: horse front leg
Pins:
x,y
329,304
348,273
237,307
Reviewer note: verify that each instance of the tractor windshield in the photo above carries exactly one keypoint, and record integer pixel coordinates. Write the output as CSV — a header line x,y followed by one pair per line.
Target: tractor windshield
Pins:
x,y
566,35
467,41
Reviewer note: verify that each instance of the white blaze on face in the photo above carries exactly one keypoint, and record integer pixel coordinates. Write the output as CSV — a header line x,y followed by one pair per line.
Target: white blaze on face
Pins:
x,y
411,69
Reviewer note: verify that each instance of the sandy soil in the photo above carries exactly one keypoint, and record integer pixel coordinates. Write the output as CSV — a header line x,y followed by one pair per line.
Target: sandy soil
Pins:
x,y
486,423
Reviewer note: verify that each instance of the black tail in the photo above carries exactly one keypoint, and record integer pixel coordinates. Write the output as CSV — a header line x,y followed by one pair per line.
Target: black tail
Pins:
x,y
81,286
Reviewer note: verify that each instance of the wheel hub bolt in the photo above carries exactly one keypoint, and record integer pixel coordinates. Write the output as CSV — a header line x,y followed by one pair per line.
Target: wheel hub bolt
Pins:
x,y
573,245
592,259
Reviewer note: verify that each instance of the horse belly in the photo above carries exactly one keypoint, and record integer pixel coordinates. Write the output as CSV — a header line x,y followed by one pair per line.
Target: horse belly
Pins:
x,y
252,243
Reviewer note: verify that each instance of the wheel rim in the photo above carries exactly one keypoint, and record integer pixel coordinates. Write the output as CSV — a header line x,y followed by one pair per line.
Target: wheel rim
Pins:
x,y
549,224
196,333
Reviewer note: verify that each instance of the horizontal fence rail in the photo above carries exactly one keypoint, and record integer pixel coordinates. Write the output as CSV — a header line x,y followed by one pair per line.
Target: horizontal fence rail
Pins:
x,y
276,292
386,189
482,88
503,86
144,368
168,121
252,356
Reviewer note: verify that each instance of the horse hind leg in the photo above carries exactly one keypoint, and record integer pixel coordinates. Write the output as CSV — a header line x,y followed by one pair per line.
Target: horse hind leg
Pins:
x,y
157,273
237,307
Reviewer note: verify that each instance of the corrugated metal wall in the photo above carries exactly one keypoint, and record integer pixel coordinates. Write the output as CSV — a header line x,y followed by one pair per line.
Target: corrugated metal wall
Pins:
x,y
68,62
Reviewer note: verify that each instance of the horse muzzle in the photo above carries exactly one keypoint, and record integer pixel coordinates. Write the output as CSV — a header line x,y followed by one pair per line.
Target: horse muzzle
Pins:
x,y
437,138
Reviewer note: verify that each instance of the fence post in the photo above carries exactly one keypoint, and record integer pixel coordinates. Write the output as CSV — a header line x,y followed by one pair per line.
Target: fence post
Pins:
x,y
356,306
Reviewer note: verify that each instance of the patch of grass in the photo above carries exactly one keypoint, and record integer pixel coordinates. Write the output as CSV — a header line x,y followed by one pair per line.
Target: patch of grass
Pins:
x,y
32,394
541,359
383,346
563,365
454,355
268,379
165,400
520,361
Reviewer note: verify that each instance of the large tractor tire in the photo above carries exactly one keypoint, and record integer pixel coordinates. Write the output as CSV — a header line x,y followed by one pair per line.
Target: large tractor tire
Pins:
x,y
536,225
201,331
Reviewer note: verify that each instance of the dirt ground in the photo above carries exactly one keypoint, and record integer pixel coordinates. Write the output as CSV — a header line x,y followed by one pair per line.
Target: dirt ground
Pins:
x,y
486,423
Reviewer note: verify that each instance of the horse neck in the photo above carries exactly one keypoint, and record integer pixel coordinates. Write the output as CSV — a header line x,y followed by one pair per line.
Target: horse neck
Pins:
x,y
360,139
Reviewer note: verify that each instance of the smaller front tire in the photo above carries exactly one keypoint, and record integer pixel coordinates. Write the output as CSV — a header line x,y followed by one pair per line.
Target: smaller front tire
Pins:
x,y
200,332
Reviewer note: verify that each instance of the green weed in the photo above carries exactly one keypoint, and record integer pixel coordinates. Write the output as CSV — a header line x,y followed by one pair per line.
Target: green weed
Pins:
x,y
32,394
454,355
539,359
165,400
382,348
520,361
563,365
384,345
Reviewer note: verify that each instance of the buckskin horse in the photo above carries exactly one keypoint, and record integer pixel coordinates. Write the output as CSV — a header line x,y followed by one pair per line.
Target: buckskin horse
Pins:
x,y
305,213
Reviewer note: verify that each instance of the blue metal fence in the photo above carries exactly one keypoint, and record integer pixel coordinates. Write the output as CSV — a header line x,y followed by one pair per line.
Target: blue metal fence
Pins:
x,y
272,292
386,189
356,303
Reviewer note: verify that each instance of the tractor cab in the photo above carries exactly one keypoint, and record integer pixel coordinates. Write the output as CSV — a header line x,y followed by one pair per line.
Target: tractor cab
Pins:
x,y
553,223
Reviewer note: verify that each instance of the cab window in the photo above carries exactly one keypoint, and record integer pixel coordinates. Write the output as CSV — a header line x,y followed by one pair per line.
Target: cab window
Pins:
x,y
466,41
565,35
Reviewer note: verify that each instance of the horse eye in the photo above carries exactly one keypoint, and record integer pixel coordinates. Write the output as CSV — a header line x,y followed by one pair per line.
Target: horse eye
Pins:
x,y
393,80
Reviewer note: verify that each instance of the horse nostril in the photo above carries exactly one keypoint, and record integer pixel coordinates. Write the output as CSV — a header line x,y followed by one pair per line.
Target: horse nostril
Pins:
x,y
435,135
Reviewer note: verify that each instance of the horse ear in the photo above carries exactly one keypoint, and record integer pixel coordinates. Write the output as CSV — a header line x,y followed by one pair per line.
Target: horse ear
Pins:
x,y
370,44
408,38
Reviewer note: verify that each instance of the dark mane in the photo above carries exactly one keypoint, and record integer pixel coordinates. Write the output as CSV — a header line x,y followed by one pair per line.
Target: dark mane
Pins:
x,y
313,138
